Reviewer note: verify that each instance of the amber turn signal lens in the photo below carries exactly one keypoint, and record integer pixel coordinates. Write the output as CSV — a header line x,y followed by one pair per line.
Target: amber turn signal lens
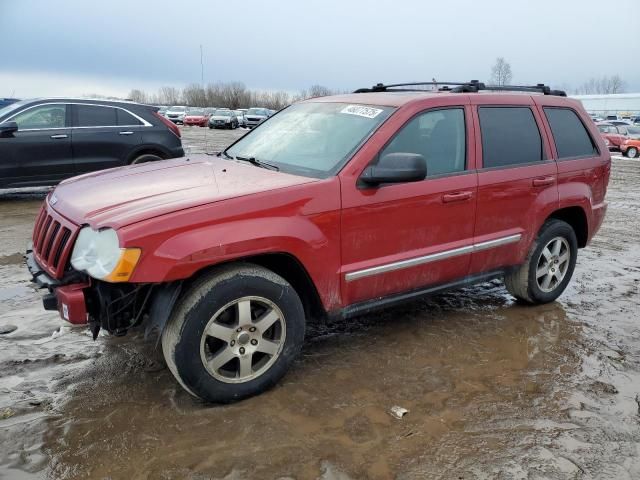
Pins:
x,y
126,265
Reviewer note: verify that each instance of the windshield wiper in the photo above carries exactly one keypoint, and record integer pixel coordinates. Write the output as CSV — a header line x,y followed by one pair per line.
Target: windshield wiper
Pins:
x,y
257,163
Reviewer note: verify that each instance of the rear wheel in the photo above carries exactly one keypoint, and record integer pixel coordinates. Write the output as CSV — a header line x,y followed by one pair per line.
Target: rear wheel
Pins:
x,y
548,267
147,157
234,334
632,152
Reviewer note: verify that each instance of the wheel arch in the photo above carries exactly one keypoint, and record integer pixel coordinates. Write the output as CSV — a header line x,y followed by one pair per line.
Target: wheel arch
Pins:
x,y
147,150
288,267
576,217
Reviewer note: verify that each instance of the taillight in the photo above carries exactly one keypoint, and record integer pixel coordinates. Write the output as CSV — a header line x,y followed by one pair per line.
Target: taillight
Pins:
x,y
170,125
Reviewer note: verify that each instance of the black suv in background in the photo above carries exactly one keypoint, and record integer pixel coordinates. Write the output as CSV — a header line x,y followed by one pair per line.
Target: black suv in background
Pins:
x,y
44,141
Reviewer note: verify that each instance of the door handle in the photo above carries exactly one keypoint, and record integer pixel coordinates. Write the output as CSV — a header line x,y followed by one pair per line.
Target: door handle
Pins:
x,y
57,137
543,181
126,133
456,197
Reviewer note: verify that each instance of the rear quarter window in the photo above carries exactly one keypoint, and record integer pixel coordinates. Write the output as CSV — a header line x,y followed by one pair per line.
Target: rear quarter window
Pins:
x,y
126,119
570,136
510,136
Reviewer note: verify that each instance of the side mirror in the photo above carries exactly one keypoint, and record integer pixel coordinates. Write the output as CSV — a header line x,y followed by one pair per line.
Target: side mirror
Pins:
x,y
8,128
396,168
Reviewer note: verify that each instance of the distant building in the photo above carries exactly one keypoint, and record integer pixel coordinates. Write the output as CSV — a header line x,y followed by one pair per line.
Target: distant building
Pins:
x,y
613,104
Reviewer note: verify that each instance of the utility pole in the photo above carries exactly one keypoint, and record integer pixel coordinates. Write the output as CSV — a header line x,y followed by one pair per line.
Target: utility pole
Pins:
x,y
201,68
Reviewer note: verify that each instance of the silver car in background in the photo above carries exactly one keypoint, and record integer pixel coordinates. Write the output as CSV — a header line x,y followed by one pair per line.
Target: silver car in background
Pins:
x,y
242,121
176,113
255,116
223,118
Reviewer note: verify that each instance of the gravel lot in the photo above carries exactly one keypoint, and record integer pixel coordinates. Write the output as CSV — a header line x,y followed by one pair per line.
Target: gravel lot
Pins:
x,y
493,389
205,140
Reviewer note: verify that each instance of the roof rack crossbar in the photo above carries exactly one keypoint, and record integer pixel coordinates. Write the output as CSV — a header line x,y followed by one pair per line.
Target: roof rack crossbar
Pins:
x,y
463,87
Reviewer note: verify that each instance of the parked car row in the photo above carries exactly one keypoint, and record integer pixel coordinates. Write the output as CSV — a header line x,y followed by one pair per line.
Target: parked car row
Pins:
x,y
44,141
617,120
225,117
621,137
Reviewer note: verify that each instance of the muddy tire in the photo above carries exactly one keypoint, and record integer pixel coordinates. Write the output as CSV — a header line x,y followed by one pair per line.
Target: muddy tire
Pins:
x,y
234,334
548,267
147,157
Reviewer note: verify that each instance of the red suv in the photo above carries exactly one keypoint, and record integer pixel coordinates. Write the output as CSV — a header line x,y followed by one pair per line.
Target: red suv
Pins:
x,y
334,207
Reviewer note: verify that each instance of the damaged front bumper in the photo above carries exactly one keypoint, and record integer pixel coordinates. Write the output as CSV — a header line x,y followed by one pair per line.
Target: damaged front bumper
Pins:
x,y
67,296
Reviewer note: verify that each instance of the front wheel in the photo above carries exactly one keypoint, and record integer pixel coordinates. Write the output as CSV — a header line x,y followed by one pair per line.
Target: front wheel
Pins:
x,y
548,267
234,334
632,152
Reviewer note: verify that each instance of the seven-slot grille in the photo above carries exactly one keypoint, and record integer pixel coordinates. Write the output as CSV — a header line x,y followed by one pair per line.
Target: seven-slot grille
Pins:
x,y
52,241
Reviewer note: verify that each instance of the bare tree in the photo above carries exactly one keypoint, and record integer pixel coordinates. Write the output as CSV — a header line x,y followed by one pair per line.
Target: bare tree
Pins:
x,y
194,95
616,84
501,72
602,86
318,91
139,96
169,96
231,95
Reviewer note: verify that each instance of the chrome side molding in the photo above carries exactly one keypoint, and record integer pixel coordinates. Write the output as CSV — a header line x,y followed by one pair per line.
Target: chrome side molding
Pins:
x,y
433,257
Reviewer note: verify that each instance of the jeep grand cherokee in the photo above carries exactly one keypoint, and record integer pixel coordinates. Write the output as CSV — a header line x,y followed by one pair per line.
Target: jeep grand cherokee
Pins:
x,y
334,207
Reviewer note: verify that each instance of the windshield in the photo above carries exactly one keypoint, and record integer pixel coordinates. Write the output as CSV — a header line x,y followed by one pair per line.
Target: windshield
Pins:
x,y
11,107
178,109
196,111
223,113
312,139
257,111
633,130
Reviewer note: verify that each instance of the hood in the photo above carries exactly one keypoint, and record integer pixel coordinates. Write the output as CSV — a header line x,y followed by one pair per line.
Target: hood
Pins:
x,y
122,196
198,117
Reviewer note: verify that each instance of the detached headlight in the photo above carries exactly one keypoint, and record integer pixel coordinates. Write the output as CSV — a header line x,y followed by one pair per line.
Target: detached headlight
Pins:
x,y
98,253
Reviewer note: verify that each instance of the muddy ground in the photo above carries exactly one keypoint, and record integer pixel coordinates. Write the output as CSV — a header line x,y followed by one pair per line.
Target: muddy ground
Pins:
x,y
493,389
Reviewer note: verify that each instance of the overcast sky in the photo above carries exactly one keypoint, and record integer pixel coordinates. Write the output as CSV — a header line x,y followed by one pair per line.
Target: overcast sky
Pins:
x,y
78,47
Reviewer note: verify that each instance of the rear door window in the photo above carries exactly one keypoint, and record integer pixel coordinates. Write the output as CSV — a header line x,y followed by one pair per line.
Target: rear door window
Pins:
x,y
510,136
94,116
569,134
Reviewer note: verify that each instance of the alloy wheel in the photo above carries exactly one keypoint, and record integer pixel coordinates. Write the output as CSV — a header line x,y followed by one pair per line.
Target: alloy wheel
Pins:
x,y
553,264
243,339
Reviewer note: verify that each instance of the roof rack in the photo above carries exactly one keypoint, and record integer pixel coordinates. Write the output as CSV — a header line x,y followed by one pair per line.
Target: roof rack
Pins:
x,y
463,87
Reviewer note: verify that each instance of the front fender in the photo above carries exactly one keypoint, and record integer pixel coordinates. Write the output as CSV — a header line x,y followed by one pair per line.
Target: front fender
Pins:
x,y
305,226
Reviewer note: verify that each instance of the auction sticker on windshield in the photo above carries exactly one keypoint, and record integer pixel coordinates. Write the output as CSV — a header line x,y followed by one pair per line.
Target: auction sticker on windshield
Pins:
x,y
361,111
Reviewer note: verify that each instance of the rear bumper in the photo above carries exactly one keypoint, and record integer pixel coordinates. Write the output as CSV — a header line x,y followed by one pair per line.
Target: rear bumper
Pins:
x,y
177,152
597,217
65,296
